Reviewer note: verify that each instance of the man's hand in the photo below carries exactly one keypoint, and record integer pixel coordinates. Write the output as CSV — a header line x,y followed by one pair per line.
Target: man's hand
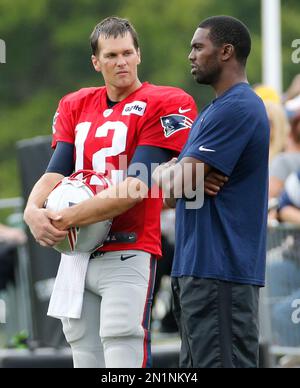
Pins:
x,y
158,172
60,220
40,224
213,183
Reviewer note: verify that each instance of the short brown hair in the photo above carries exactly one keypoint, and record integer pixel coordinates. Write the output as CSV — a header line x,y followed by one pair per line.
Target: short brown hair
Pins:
x,y
112,26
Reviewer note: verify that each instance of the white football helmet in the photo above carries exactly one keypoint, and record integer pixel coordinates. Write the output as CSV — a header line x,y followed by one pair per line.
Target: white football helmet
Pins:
x,y
71,191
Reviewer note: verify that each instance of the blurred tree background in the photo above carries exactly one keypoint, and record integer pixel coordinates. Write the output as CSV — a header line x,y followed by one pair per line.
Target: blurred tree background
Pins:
x,y
48,56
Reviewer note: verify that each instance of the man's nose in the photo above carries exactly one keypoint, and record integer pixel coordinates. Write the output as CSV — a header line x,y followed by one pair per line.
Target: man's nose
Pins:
x,y
121,60
191,56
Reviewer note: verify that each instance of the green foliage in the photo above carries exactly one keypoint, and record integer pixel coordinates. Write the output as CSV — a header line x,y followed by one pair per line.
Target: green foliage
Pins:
x,y
48,55
19,341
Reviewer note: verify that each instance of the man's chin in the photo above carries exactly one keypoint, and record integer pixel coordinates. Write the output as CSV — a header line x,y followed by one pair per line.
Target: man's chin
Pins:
x,y
201,80
198,77
123,84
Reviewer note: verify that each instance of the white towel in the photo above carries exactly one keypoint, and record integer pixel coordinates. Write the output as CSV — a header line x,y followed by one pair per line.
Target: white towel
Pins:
x,y
67,296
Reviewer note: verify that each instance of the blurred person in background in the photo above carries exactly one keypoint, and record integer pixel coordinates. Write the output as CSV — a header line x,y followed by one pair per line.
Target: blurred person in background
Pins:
x,y
285,138
283,266
288,161
12,235
289,203
289,99
10,238
279,127
293,90
267,93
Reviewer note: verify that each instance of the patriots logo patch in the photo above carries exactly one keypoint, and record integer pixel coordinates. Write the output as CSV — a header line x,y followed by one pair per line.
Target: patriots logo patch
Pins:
x,y
175,123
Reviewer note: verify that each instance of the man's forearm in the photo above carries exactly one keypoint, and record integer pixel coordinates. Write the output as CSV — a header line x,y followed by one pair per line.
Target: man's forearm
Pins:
x,y
40,220
106,205
183,179
41,190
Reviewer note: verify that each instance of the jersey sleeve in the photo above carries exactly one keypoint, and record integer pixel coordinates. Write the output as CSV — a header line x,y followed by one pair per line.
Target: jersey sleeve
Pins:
x,y
221,138
141,165
62,160
63,124
167,121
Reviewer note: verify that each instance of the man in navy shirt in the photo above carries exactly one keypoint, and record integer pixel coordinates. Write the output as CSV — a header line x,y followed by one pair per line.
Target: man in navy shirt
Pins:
x,y
219,262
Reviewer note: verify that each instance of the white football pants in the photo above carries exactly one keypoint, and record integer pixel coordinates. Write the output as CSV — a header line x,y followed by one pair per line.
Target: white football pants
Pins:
x,y
114,329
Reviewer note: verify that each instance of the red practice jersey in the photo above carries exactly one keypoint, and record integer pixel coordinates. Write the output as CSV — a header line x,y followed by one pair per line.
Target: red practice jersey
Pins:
x,y
106,138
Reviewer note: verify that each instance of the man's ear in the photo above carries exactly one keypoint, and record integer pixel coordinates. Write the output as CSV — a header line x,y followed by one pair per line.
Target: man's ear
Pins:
x,y
139,55
96,63
227,52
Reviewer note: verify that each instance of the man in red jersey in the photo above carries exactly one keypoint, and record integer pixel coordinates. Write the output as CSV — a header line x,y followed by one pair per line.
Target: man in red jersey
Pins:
x,y
110,129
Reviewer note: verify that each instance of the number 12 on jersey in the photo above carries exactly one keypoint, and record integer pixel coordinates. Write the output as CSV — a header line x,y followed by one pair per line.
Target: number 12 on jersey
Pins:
x,y
99,158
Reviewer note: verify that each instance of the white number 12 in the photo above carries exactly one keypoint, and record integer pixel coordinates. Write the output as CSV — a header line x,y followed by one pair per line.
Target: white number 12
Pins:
x,y
99,158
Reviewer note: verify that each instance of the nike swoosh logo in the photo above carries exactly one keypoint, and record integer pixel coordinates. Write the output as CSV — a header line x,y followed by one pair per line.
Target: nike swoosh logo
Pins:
x,y
182,111
125,257
203,149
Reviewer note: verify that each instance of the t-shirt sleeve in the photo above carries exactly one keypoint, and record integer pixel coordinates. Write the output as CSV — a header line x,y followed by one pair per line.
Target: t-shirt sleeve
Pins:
x,y
222,137
167,122
63,124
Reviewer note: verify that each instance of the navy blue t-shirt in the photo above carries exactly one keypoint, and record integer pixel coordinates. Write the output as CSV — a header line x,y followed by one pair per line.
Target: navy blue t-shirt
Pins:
x,y
226,238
